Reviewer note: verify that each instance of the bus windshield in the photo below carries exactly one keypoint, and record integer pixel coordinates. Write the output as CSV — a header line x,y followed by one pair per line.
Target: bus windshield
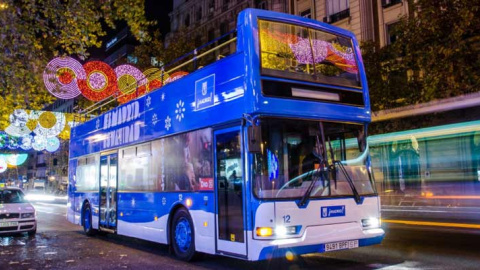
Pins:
x,y
303,53
324,159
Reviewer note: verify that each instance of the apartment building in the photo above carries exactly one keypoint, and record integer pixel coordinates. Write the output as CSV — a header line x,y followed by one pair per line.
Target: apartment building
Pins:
x,y
370,20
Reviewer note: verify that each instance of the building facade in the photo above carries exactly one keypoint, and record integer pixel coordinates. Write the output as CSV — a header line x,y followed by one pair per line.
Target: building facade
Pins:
x,y
369,20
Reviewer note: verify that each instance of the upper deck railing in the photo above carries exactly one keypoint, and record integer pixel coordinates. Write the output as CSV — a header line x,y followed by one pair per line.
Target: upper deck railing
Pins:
x,y
193,60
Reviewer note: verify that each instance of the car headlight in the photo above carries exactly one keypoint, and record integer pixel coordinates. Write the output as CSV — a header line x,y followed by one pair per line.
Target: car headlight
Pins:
x,y
371,223
28,215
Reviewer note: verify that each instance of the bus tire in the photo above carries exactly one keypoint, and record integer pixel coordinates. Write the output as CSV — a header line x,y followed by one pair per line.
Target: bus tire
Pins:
x,y
183,235
87,221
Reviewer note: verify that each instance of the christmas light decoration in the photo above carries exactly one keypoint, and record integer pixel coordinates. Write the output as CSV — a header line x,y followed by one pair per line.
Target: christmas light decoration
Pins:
x,y
26,142
3,139
273,46
154,78
50,124
100,83
3,164
39,143
13,142
175,76
52,144
15,159
61,75
18,123
131,82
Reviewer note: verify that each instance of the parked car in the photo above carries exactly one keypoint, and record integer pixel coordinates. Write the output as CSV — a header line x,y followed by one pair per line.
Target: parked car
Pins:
x,y
16,214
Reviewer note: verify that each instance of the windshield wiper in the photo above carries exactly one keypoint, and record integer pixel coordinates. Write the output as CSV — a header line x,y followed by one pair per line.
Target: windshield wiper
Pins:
x,y
349,180
316,173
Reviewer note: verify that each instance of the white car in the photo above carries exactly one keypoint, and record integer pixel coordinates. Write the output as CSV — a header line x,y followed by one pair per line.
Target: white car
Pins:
x,y
16,214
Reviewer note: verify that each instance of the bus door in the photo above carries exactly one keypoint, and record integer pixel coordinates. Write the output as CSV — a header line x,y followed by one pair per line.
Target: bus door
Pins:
x,y
108,192
230,218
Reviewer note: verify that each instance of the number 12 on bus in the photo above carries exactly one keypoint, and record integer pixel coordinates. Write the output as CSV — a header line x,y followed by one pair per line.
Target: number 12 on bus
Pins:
x,y
258,155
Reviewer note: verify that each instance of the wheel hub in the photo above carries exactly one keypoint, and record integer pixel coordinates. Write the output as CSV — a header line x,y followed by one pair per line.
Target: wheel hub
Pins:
x,y
183,234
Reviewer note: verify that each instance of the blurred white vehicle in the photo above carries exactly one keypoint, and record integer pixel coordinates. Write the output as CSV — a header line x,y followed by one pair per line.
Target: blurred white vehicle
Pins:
x,y
16,213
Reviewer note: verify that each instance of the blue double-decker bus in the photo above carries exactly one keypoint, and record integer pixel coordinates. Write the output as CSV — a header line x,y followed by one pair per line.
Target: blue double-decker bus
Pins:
x,y
261,154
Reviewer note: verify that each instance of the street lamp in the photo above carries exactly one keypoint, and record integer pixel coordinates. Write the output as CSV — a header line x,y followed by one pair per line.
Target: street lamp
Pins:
x,y
3,6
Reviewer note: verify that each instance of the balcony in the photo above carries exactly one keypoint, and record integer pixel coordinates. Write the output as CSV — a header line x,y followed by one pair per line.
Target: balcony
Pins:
x,y
337,16
389,3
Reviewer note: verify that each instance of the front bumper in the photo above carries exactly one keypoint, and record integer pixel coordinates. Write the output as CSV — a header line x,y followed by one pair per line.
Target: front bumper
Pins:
x,y
314,240
17,225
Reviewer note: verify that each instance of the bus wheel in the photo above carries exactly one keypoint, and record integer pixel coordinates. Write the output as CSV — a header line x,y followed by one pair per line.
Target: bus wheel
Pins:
x,y
87,220
183,235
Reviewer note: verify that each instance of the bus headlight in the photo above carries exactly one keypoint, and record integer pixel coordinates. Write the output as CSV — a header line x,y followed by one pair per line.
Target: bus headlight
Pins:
x,y
371,223
264,231
284,231
278,231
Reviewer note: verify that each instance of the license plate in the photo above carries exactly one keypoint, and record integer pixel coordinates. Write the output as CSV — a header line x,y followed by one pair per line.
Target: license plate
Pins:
x,y
8,224
341,245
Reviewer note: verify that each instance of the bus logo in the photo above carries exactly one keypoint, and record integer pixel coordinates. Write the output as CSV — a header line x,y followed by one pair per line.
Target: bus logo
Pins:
x,y
204,88
205,92
333,211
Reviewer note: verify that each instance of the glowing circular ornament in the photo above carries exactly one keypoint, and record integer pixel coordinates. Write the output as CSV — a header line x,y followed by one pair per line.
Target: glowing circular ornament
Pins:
x,y
50,124
175,76
13,142
101,81
3,164
61,76
154,79
131,82
39,143
16,159
52,144
26,142
18,123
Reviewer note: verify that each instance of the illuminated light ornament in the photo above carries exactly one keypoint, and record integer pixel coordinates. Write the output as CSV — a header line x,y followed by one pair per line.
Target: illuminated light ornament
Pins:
x,y
154,79
100,83
13,142
3,164
50,124
39,143
131,82
342,57
18,123
61,76
16,159
65,134
175,76
303,51
3,139
26,142
52,144
32,122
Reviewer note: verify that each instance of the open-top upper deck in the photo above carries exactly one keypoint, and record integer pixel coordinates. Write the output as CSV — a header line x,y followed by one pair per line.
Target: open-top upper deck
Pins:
x,y
283,66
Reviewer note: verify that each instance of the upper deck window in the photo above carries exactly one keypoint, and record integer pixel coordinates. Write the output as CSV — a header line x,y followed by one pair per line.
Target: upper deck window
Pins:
x,y
303,53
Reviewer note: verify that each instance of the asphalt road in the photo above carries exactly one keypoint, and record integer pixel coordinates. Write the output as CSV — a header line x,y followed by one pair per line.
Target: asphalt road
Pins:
x,y
61,245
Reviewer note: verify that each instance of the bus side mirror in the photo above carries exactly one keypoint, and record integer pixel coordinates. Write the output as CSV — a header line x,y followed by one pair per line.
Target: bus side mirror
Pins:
x,y
254,139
